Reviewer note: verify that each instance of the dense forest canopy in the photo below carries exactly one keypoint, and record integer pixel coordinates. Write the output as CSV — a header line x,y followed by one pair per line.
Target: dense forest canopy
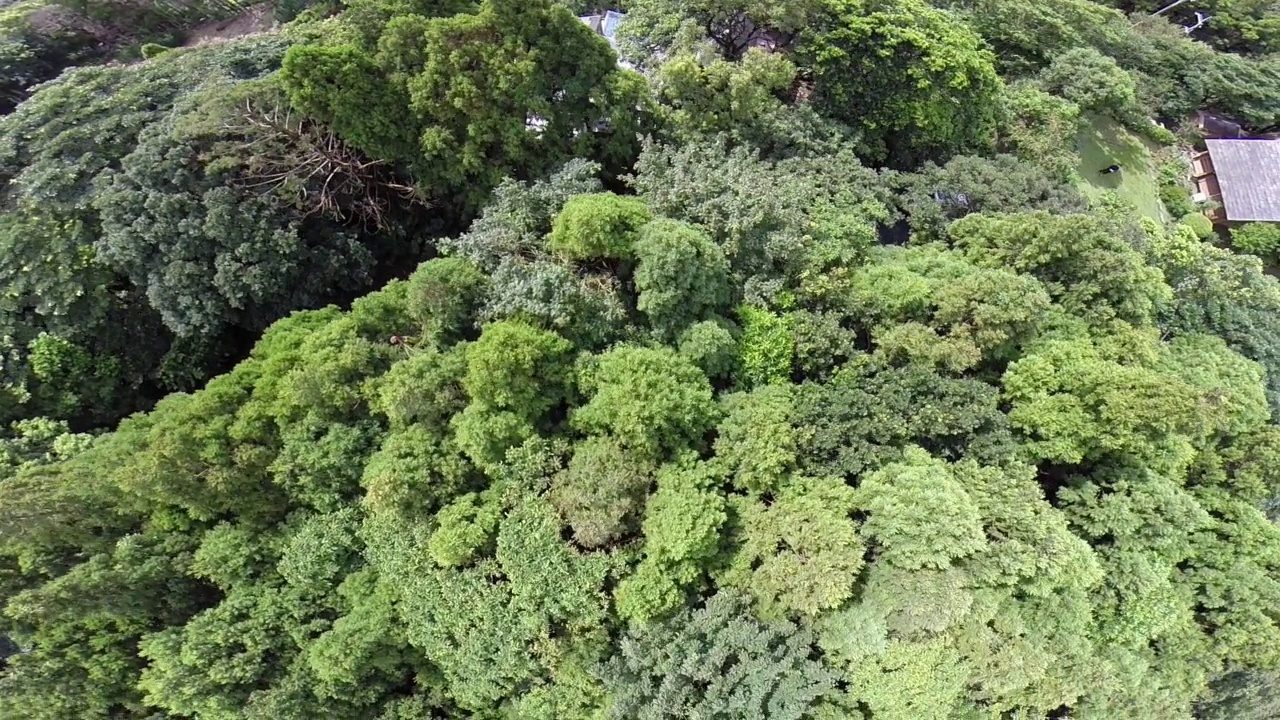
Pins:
x,y
420,359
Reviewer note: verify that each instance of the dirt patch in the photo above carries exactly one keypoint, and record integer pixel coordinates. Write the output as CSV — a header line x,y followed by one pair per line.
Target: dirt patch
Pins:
x,y
259,18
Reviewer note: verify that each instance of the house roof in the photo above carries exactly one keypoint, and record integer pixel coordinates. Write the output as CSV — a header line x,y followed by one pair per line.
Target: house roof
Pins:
x,y
1217,125
612,20
1248,172
606,24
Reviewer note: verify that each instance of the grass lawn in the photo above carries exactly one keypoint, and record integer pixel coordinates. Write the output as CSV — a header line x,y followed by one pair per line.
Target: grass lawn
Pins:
x,y
1102,142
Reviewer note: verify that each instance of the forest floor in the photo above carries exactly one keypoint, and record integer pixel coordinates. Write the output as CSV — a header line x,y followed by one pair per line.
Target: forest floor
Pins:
x,y
1102,142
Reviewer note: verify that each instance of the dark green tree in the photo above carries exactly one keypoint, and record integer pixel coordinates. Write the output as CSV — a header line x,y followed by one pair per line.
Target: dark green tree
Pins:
x,y
716,662
918,84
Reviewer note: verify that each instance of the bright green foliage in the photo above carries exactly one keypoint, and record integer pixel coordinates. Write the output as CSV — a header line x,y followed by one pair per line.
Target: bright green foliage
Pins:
x,y
801,554
1040,128
1202,226
487,628
918,84
1080,259
1029,544
1219,292
368,18
756,442
1228,386
517,367
543,48
66,378
651,401
111,600
231,645
1261,239
343,88
598,226
919,515
681,536
1094,83
716,662
711,346
928,305
466,526
738,99
683,516
514,86
768,347
39,441
424,389
912,680
485,435
681,275
444,295
321,551
363,646
920,641
412,472
1075,399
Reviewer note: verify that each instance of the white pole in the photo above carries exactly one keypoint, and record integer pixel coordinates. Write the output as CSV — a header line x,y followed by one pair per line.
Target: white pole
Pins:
x,y
1168,7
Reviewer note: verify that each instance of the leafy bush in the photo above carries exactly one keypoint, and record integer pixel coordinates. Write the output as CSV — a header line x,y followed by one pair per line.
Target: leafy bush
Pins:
x,y
767,347
150,50
942,80
598,226
1199,224
1177,200
1094,82
1157,133
1261,239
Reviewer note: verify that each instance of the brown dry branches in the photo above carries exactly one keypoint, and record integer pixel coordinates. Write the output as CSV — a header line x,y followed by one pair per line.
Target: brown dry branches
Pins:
x,y
309,167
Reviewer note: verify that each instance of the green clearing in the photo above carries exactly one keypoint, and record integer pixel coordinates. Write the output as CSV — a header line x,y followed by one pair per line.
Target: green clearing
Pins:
x,y
1103,142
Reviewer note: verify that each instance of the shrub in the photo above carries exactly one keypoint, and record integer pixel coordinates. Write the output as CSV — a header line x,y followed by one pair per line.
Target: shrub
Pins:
x,y
1261,239
444,295
150,50
1171,168
768,347
1177,200
600,225
711,346
1199,224
1157,133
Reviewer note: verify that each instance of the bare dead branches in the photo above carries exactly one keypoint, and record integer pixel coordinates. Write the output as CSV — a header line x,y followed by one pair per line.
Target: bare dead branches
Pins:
x,y
311,168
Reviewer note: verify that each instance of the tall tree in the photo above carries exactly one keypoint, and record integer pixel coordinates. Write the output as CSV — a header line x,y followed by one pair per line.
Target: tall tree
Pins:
x,y
916,83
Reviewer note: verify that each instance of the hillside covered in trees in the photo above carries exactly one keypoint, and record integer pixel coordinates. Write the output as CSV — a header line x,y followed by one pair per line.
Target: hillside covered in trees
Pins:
x,y
768,360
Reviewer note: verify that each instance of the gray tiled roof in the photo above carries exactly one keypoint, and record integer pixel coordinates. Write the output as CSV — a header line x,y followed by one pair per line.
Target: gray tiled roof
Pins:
x,y
1248,172
611,22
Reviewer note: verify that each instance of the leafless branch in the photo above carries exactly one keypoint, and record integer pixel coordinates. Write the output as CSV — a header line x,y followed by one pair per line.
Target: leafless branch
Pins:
x,y
300,162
